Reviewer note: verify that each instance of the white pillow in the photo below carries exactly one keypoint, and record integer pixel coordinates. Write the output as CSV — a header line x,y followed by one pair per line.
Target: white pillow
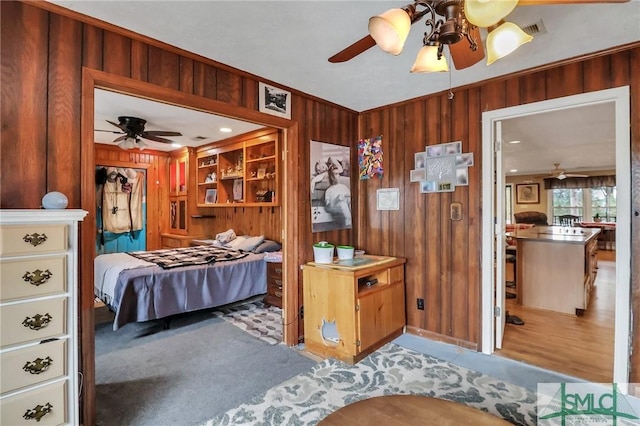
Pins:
x,y
251,243
237,241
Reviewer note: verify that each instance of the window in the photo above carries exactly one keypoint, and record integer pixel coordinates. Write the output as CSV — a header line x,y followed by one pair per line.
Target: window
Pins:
x,y
567,201
603,203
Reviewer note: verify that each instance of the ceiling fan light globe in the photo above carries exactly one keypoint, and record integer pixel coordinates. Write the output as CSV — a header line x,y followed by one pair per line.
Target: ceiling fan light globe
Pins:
x,y
427,61
503,40
485,13
390,30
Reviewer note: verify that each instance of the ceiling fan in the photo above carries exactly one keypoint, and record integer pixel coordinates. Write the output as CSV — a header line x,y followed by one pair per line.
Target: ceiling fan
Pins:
x,y
560,174
132,130
455,23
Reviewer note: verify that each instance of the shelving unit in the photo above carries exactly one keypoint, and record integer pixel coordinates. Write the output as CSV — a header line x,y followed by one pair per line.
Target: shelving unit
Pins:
x,y
244,171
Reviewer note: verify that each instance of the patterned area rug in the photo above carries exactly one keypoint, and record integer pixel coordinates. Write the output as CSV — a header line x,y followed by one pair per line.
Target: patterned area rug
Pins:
x,y
255,318
309,397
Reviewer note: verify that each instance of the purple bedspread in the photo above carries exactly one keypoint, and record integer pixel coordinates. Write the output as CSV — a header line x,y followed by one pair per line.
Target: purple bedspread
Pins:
x,y
148,293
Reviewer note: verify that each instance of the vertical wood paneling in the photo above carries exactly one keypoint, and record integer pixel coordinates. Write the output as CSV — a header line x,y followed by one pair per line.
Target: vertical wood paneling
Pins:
x,y
597,74
116,54
164,68
250,94
229,87
186,75
443,226
204,80
533,87
564,81
63,141
139,60
24,105
92,47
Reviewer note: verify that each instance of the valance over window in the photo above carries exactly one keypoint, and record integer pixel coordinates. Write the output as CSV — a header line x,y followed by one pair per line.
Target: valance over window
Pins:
x,y
580,182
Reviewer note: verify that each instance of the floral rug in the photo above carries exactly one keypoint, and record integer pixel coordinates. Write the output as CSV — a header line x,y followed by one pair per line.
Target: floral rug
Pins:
x,y
255,318
309,397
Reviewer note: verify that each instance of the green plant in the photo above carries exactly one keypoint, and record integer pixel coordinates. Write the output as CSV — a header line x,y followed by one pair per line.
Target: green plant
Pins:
x,y
596,216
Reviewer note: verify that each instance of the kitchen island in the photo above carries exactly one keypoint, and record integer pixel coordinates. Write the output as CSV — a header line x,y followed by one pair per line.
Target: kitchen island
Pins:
x,y
557,267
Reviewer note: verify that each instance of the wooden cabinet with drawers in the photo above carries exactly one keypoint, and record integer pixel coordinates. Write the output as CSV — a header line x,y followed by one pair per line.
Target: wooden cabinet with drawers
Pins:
x,y
38,317
274,284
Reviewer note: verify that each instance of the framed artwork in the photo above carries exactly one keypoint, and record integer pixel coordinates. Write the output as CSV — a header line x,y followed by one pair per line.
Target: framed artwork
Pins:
x,y
527,193
211,196
262,173
388,199
452,148
274,101
418,175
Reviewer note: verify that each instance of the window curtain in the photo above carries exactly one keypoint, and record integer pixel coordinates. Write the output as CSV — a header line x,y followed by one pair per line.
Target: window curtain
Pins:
x,y
580,182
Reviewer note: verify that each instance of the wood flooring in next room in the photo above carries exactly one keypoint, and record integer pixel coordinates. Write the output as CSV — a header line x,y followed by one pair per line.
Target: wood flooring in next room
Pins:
x,y
581,347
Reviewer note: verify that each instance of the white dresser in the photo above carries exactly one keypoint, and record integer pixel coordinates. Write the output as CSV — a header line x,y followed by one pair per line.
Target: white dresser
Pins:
x,y
39,383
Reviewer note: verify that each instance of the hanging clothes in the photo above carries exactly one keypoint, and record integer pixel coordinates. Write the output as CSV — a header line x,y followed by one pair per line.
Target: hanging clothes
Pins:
x,y
121,198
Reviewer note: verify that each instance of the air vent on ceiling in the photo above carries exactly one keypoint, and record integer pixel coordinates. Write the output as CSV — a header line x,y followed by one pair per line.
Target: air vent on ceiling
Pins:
x,y
537,28
201,137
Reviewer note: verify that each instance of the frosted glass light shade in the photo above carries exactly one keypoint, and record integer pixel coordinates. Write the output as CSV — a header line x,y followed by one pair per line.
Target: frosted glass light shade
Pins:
x,y
54,200
427,61
504,40
390,30
485,13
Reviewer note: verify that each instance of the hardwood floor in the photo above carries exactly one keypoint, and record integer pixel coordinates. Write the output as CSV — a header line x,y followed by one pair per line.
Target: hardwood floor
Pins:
x,y
578,346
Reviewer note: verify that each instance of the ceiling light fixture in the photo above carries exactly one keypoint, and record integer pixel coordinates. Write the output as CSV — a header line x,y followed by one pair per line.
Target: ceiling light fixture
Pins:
x,y
225,130
131,142
449,22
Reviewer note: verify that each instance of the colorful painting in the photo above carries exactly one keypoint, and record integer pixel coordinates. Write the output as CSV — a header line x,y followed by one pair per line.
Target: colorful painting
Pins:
x,y
370,157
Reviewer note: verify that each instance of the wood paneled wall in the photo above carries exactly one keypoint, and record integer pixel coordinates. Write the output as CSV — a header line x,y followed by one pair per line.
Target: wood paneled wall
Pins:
x,y
444,256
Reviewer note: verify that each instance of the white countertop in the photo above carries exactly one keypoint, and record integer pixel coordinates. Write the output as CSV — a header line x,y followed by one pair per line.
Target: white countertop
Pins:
x,y
562,234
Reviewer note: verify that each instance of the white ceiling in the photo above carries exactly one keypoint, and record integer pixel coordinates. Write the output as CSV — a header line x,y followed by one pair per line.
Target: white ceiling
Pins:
x,y
288,42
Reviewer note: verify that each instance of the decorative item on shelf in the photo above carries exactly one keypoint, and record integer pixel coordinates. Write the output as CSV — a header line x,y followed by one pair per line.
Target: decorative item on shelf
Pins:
x,y
211,196
262,173
254,173
264,196
54,200
323,252
596,217
345,252
211,178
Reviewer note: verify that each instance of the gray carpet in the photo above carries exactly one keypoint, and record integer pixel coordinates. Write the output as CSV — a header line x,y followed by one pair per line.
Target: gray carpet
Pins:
x,y
199,368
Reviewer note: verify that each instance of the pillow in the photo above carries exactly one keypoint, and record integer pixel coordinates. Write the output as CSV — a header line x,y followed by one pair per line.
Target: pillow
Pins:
x,y
236,242
267,245
250,243
226,236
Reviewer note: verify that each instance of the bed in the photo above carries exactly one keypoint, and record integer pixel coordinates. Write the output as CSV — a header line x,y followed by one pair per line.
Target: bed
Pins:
x,y
142,286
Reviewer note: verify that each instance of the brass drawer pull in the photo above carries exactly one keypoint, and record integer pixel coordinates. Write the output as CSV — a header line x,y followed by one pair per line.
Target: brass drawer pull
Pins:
x,y
37,277
38,365
38,412
278,294
278,270
35,239
278,282
37,322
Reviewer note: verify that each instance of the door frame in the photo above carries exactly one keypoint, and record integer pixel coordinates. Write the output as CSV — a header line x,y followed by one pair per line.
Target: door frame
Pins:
x,y
622,330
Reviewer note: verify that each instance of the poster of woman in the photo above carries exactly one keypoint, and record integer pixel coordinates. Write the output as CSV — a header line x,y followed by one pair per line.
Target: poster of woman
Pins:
x,y
330,187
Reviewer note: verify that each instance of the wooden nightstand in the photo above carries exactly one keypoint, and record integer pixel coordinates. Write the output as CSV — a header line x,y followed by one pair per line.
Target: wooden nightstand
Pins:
x,y
274,284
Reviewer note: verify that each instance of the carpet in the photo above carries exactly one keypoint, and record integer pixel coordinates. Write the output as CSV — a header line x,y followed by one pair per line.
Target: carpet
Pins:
x,y
309,397
201,367
255,318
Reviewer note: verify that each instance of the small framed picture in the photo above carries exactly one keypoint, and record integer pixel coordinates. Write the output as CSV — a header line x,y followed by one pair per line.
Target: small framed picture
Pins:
x,y
274,101
388,199
462,176
420,160
528,193
418,175
262,173
465,159
211,196
452,148
434,151
427,187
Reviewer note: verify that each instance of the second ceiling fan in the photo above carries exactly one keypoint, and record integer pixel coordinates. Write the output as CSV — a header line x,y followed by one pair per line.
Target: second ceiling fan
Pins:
x,y
455,23
132,130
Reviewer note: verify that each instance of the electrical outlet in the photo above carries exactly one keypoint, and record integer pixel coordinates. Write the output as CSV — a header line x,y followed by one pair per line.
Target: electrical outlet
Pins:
x,y
421,304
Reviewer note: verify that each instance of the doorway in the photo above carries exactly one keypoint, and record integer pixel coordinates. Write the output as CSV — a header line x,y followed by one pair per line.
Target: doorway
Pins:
x,y
493,218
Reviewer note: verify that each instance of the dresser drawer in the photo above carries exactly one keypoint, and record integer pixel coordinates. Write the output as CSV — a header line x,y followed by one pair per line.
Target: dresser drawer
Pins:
x,y
35,364
32,239
274,271
31,321
32,277
48,404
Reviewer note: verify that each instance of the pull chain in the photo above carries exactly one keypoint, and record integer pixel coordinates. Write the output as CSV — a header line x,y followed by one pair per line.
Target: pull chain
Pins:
x,y
450,95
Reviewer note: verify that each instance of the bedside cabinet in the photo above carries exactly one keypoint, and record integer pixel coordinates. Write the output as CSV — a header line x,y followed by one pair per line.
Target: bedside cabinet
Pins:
x,y
38,317
352,307
274,284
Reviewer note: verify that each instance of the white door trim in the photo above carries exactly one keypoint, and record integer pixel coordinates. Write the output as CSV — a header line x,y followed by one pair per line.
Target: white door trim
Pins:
x,y
620,97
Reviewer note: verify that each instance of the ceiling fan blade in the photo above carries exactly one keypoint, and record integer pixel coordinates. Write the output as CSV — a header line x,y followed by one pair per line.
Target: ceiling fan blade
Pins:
x,y
159,133
124,129
354,50
462,55
110,131
156,138
121,138
548,2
